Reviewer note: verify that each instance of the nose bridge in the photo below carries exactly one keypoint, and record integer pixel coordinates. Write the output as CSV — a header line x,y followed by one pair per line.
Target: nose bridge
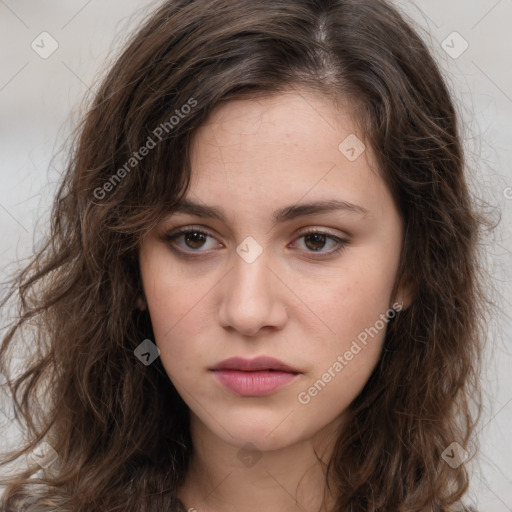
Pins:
x,y
249,297
249,281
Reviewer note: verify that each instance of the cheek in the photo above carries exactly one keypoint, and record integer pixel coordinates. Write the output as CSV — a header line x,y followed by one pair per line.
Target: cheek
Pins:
x,y
331,392
350,298
354,303
176,306
344,361
177,314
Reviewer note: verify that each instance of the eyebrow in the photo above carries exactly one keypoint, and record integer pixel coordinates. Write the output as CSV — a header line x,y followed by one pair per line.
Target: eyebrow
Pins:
x,y
282,215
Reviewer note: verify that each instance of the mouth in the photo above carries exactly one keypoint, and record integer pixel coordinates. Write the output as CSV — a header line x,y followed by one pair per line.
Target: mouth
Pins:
x,y
254,378
262,363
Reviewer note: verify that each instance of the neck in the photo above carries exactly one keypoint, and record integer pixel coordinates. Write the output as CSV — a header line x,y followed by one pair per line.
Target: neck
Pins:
x,y
231,478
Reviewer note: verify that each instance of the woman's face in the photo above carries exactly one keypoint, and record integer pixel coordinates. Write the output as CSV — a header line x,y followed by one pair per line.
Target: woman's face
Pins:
x,y
277,274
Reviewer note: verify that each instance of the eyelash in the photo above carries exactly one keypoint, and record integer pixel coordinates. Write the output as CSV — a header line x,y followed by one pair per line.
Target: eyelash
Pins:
x,y
170,239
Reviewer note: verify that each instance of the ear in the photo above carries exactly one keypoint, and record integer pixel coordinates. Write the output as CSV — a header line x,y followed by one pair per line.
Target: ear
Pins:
x,y
405,294
140,303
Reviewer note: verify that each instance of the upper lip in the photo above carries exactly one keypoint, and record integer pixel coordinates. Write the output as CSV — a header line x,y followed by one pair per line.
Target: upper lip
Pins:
x,y
259,363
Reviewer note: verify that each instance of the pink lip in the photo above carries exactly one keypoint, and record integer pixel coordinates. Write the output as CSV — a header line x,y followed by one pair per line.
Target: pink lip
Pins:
x,y
256,364
256,377
258,383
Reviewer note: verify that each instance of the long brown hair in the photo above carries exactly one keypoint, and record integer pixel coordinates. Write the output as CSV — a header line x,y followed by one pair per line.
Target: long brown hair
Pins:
x,y
119,428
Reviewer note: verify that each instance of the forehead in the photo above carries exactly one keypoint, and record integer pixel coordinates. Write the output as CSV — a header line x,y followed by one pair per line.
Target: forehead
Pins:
x,y
293,118
281,149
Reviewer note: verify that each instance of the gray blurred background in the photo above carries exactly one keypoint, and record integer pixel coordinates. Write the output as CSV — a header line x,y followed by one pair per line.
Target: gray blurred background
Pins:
x,y
52,53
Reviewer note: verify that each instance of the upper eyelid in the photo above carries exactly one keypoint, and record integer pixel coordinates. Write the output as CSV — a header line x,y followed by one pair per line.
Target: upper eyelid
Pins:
x,y
301,232
341,240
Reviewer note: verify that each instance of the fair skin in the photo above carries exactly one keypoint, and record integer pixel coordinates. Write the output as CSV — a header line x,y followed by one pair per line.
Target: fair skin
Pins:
x,y
297,301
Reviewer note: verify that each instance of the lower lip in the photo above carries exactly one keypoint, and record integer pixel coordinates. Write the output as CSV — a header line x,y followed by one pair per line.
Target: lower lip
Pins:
x,y
253,383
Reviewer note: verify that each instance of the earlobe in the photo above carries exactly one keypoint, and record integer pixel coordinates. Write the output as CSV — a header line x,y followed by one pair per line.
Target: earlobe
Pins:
x,y
140,303
405,295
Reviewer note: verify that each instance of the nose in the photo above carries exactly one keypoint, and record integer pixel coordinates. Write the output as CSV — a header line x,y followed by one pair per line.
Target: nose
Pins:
x,y
252,297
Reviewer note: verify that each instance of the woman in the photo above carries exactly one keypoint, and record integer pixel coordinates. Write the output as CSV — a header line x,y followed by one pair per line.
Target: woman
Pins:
x,y
262,288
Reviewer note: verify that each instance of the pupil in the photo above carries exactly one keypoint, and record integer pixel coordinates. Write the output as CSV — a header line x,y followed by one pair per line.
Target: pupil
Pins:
x,y
192,235
318,239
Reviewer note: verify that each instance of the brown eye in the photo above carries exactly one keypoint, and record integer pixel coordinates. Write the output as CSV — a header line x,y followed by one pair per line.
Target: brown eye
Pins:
x,y
317,241
192,240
